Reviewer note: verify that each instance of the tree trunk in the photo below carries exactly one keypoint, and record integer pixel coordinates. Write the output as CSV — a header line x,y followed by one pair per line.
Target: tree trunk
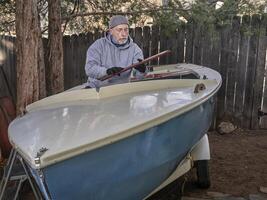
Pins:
x,y
29,57
55,80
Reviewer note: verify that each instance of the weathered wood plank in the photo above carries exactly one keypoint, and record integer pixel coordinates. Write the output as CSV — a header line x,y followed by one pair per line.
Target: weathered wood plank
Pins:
x,y
154,43
259,80
75,76
180,43
8,74
211,50
3,84
241,71
82,48
67,56
131,32
215,51
12,68
146,41
164,39
13,83
251,71
138,37
258,99
206,50
223,71
197,45
232,66
172,45
210,58
88,42
98,34
189,42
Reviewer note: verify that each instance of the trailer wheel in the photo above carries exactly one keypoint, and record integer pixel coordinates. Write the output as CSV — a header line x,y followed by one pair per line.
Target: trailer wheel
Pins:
x,y
203,176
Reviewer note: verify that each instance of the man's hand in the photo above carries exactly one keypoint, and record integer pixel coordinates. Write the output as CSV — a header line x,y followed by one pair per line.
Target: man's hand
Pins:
x,y
141,68
114,70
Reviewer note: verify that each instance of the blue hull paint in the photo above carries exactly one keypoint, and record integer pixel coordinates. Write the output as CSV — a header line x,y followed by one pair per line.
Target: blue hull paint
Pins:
x,y
130,168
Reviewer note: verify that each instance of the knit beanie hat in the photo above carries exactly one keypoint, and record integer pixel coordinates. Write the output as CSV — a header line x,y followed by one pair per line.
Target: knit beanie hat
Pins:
x,y
117,20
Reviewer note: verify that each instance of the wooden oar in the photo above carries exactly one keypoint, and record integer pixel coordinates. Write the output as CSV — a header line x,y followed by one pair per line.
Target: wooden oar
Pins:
x,y
135,65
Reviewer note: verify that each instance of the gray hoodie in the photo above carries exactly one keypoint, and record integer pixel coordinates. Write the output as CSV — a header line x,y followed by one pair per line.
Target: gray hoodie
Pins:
x,y
104,54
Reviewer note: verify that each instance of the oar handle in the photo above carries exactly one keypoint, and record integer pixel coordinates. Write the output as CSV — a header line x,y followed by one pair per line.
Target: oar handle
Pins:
x,y
103,78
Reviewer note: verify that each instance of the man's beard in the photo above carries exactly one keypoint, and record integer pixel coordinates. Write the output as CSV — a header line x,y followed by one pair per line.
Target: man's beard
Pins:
x,y
122,41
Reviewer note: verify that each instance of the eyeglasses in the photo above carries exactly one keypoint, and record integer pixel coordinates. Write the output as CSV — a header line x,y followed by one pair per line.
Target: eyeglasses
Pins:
x,y
119,30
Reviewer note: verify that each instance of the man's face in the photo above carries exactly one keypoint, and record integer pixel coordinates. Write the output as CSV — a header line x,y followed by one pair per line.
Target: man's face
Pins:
x,y
120,33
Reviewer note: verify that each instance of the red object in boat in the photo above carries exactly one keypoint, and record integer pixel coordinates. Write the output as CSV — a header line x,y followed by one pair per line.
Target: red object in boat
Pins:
x,y
155,76
7,114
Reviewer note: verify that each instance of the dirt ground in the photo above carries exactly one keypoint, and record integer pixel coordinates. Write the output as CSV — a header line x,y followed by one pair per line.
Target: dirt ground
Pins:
x,y
238,164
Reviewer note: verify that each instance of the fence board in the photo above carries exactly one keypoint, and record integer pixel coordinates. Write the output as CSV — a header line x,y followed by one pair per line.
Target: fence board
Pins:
x,y
12,69
82,49
197,45
215,51
155,43
241,71
207,50
164,39
4,91
88,42
210,58
172,45
253,45
131,32
75,76
232,65
259,81
98,34
146,41
67,56
223,69
189,43
8,67
138,37
259,78
180,44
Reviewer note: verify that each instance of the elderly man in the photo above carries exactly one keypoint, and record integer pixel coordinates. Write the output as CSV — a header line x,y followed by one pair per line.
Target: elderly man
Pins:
x,y
112,53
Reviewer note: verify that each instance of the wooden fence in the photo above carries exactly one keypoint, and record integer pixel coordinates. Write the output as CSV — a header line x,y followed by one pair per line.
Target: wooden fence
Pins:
x,y
237,51
7,67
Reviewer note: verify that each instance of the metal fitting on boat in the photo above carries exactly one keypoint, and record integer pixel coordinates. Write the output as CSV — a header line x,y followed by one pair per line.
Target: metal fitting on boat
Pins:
x,y
41,151
199,87
37,161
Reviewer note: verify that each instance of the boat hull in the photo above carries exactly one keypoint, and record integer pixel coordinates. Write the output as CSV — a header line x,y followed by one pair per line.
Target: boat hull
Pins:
x,y
130,168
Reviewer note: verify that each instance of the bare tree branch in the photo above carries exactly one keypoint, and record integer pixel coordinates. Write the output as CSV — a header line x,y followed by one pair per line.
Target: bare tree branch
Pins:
x,y
120,13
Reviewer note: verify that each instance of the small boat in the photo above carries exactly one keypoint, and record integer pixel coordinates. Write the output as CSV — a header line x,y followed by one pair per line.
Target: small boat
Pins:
x,y
125,141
